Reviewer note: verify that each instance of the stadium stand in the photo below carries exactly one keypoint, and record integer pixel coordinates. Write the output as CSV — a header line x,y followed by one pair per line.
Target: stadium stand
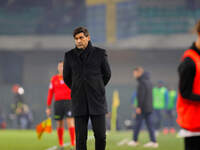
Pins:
x,y
133,17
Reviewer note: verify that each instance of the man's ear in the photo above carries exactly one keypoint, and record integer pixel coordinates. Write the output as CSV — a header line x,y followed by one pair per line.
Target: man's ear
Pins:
x,y
88,37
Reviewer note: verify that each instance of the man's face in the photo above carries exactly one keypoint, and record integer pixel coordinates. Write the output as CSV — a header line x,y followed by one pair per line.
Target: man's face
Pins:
x,y
136,73
81,40
60,68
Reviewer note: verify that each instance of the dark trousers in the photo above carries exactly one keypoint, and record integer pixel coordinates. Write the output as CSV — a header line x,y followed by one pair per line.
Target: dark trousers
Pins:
x,y
170,118
157,119
138,125
99,129
192,143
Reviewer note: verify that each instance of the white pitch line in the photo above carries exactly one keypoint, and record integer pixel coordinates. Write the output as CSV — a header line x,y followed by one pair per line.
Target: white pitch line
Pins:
x,y
67,144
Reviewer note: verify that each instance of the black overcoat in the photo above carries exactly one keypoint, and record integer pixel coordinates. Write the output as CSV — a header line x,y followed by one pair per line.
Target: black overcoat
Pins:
x,y
87,72
144,93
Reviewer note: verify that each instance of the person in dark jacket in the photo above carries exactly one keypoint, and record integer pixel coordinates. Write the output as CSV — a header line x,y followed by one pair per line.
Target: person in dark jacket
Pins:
x,y
144,108
188,103
87,72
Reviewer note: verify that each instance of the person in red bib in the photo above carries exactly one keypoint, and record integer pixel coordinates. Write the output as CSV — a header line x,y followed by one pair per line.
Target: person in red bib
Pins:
x,y
188,103
62,106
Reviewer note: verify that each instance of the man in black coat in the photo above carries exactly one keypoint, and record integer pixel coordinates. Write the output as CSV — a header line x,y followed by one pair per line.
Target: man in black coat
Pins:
x,y
87,72
144,108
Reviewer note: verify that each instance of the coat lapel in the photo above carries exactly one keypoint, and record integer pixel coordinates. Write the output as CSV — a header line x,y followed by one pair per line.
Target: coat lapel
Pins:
x,y
90,55
77,56
89,52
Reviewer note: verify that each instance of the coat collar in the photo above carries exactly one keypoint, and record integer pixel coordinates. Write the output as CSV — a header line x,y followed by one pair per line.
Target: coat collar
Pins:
x,y
84,53
88,48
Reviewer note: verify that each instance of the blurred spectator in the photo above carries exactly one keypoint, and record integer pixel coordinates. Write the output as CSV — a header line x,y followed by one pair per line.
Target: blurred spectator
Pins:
x,y
134,101
19,110
160,98
2,120
144,108
170,109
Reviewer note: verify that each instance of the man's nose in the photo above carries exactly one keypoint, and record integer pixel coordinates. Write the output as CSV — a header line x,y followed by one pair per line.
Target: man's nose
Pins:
x,y
79,40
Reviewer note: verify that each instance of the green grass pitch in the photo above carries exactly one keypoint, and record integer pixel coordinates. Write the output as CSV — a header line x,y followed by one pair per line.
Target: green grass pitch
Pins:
x,y
27,140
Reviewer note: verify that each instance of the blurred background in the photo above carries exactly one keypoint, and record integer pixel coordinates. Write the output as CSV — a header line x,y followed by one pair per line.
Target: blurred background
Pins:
x,y
35,34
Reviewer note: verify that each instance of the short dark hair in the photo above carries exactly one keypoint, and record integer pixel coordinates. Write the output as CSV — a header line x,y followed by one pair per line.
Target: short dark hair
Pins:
x,y
81,30
60,61
138,69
